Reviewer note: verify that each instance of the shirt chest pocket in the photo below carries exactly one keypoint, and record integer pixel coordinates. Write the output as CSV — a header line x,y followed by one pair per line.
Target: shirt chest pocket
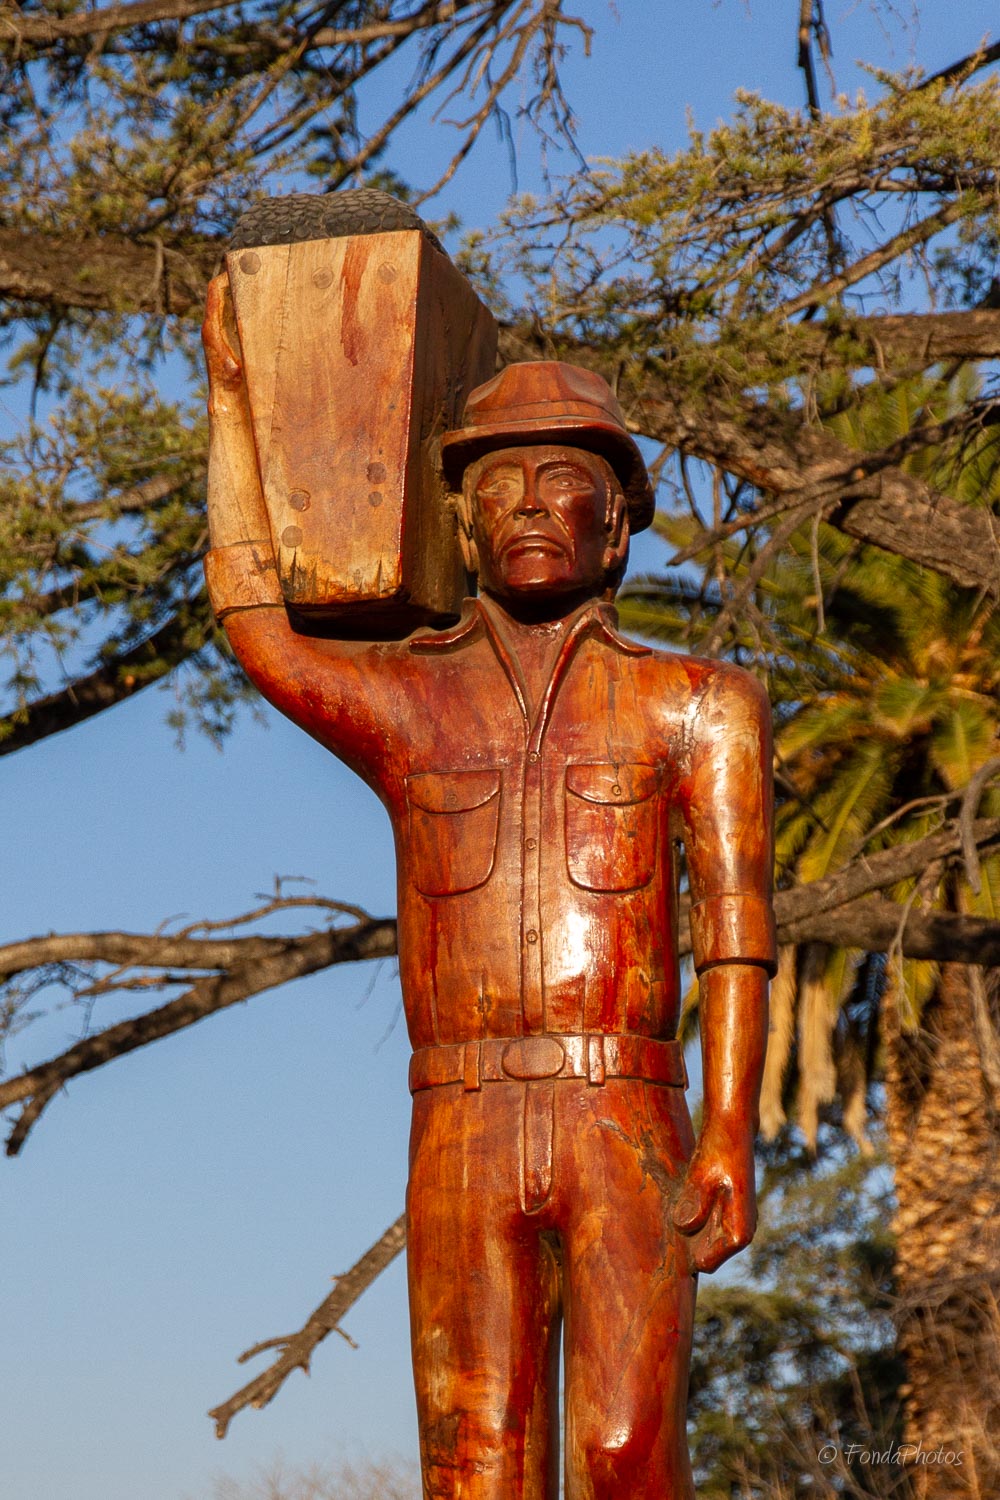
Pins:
x,y
453,821
611,826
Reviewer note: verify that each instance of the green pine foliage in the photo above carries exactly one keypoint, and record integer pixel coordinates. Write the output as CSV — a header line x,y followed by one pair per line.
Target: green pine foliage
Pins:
x,y
695,263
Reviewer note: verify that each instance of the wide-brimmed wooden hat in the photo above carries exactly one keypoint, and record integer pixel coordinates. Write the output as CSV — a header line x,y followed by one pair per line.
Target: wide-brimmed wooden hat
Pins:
x,y
547,401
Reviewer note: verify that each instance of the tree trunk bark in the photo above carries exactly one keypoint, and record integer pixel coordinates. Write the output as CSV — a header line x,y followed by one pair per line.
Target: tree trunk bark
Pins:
x,y
944,1138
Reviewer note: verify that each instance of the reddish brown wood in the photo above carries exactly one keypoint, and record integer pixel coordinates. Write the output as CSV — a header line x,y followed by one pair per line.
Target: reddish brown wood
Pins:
x,y
359,354
539,770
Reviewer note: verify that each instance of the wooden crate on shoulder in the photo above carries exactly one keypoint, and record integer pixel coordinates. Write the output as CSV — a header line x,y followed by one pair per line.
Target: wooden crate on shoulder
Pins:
x,y
359,353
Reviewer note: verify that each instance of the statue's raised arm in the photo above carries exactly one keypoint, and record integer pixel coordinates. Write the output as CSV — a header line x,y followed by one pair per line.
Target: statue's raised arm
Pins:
x,y
341,344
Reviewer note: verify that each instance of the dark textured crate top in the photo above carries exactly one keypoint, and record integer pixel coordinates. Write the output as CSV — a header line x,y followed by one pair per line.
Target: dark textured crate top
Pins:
x,y
295,217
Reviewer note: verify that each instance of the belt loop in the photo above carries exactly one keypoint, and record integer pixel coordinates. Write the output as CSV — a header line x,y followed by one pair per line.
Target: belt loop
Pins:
x,y
472,1070
595,1059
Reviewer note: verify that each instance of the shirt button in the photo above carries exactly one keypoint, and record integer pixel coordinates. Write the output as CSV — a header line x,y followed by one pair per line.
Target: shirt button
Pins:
x,y
532,756
531,843
616,789
531,935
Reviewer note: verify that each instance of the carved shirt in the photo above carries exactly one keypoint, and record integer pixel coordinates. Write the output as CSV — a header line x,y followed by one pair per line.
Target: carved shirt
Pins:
x,y
537,852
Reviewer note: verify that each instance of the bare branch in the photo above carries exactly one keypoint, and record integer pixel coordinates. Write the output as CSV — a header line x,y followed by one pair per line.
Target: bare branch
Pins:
x,y
965,66
736,604
119,678
153,950
140,497
907,239
106,273
465,49
16,28
804,59
874,872
446,12
266,964
970,806
841,909
874,925
918,340
297,1348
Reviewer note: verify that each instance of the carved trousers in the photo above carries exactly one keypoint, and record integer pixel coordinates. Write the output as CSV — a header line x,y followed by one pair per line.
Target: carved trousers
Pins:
x,y
534,1207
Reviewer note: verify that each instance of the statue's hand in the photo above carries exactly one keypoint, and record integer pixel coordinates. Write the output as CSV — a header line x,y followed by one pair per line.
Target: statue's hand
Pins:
x,y
236,509
717,1203
225,373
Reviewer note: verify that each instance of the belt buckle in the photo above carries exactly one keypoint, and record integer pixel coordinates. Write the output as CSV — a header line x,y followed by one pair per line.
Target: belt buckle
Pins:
x,y
528,1057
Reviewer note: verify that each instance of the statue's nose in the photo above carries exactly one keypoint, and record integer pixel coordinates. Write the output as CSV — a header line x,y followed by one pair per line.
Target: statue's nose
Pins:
x,y
530,506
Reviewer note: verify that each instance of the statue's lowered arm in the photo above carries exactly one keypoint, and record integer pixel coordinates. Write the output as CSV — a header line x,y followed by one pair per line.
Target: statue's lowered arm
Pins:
x,y
728,818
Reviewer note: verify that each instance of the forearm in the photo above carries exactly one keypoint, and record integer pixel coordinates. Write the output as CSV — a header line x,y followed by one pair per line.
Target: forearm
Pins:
x,y
733,1019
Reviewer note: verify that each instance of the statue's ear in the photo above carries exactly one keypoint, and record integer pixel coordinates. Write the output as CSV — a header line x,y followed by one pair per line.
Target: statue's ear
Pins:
x,y
616,551
466,539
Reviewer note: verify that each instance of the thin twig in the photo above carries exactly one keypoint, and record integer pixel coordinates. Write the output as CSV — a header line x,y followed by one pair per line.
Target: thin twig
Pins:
x,y
970,806
298,1348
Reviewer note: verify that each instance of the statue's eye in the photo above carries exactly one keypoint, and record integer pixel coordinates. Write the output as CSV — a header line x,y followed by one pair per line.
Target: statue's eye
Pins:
x,y
496,484
568,479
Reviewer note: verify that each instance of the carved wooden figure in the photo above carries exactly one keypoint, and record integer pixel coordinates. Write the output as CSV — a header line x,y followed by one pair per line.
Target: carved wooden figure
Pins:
x,y
539,770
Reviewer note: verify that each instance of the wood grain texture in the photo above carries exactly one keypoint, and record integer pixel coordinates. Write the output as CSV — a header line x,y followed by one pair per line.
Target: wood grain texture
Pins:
x,y
539,769
358,353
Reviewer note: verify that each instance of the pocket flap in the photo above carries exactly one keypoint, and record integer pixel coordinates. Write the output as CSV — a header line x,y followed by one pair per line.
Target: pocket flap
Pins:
x,y
615,784
452,791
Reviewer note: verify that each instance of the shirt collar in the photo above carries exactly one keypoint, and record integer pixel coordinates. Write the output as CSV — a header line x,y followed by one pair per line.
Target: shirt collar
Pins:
x,y
595,615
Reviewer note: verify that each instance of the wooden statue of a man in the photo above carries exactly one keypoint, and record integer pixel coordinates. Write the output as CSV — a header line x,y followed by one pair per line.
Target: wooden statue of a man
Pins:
x,y
539,770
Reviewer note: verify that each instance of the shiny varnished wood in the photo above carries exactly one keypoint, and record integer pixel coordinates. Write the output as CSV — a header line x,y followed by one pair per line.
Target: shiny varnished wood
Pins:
x,y
541,772
359,355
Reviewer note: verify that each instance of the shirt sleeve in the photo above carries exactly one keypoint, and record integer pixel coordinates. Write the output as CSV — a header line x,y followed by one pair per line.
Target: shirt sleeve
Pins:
x,y
347,694
727,803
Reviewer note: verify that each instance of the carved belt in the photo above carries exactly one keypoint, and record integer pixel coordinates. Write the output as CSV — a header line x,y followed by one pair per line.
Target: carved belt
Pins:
x,y
595,1057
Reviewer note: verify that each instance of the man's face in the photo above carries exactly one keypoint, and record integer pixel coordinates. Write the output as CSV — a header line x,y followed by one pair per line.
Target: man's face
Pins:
x,y
540,518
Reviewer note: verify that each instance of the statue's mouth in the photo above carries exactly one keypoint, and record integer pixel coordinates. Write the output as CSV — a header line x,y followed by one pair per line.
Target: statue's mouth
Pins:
x,y
534,541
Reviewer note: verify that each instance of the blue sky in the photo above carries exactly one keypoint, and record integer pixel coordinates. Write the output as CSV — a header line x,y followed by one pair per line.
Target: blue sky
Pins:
x,y
194,1198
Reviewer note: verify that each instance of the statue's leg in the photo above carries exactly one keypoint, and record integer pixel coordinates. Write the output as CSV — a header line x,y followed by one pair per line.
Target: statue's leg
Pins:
x,y
629,1293
484,1302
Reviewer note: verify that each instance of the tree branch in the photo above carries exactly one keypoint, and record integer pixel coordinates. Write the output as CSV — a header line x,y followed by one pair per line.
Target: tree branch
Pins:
x,y
297,1348
858,492
967,65
263,965
907,239
873,925
113,273
140,497
17,28
907,341
841,909
136,949
107,273
120,678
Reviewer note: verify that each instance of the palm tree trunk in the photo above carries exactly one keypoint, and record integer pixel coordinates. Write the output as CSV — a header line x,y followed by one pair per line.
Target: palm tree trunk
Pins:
x,y
944,1138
